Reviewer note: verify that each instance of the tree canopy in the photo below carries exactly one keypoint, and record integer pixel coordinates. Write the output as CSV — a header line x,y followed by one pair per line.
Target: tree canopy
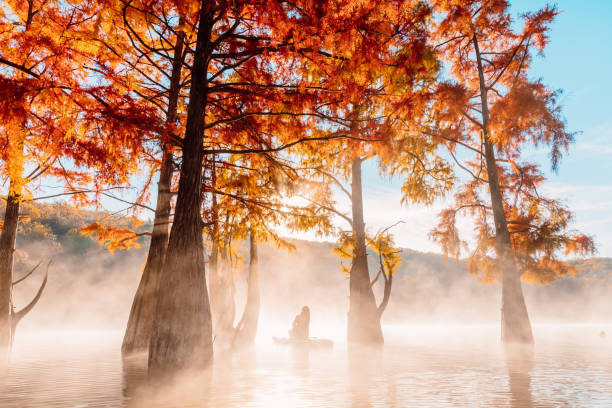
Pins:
x,y
254,116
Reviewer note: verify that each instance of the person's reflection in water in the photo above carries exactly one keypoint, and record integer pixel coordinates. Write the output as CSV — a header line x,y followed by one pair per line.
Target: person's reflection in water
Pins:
x,y
519,362
301,357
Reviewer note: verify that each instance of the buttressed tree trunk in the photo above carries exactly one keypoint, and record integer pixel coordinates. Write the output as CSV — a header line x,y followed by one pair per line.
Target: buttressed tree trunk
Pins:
x,y
515,325
182,330
246,330
142,314
138,332
363,318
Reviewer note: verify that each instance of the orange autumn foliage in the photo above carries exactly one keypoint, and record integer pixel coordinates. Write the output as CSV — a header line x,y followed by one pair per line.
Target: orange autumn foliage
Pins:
x,y
58,119
113,238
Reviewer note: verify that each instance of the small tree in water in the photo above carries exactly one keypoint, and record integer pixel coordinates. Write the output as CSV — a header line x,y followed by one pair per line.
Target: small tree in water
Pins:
x,y
364,324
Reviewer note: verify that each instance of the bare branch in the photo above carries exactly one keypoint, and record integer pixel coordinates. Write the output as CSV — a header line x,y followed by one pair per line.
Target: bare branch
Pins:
x,y
17,316
26,275
72,193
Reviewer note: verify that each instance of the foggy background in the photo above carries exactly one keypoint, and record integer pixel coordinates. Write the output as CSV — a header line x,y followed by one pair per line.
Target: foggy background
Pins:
x,y
92,289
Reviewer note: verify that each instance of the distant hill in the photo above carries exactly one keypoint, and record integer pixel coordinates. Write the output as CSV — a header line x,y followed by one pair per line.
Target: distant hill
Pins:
x,y
92,288
60,223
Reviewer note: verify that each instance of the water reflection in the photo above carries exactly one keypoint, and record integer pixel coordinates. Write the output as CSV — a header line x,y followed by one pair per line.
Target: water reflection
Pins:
x,y
140,390
439,368
364,366
243,389
519,363
301,358
4,373
135,379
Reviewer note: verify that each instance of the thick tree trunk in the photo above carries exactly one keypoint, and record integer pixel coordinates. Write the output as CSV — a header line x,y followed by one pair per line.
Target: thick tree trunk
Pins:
x,y
363,318
142,314
7,250
138,332
246,331
515,325
182,330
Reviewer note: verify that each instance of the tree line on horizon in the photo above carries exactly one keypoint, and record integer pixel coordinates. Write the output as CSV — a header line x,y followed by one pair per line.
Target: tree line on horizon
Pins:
x,y
239,107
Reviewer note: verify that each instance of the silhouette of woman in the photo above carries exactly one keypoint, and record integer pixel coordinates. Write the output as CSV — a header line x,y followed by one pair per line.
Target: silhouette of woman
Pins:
x,y
301,324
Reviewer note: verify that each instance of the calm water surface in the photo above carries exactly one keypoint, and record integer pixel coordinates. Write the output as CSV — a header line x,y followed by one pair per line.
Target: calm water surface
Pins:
x,y
419,366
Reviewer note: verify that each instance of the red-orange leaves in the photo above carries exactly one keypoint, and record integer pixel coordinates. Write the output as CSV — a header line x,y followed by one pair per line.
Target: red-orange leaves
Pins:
x,y
113,237
530,113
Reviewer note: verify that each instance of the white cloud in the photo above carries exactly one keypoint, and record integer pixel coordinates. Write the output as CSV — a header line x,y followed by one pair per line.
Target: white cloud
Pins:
x,y
592,207
595,140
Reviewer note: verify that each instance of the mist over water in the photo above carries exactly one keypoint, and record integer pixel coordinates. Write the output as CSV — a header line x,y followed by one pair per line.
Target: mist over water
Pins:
x,y
419,366
441,329
92,289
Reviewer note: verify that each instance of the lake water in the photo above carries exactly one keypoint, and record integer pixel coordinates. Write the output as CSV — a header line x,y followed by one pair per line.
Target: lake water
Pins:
x,y
419,366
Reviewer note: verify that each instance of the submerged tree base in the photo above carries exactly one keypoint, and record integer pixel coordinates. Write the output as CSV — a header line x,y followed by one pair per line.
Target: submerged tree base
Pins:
x,y
516,329
515,324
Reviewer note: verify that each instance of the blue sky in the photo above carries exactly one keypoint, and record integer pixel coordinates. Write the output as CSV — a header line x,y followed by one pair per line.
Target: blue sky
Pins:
x,y
577,60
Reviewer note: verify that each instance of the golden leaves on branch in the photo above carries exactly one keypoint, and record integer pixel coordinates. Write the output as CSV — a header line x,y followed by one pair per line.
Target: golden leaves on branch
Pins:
x,y
382,244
